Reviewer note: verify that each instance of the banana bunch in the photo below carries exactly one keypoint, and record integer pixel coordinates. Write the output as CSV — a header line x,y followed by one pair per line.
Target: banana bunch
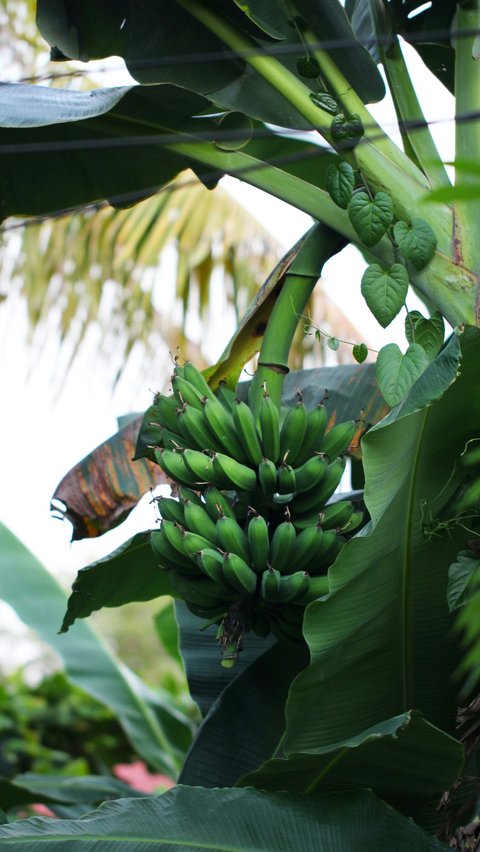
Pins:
x,y
249,539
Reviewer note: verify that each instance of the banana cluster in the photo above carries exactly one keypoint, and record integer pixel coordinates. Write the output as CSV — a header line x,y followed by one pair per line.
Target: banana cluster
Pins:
x,y
250,538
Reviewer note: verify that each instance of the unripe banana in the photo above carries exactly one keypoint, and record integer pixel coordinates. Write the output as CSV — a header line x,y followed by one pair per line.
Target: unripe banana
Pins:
x,y
337,440
336,515
310,473
192,425
174,534
189,494
285,479
307,545
171,510
166,409
225,395
270,585
171,440
293,586
168,556
282,553
258,540
269,422
232,538
217,504
199,591
353,524
238,574
318,587
201,467
211,563
293,431
324,554
173,464
315,499
193,543
286,621
220,423
197,520
211,614
247,432
185,392
267,474
198,380
317,420
235,474
261,624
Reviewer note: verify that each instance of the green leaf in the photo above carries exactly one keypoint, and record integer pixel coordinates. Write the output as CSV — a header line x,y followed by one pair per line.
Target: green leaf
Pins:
x,y
360,352
247,721
235,131
429,333
379,758
346,130
371,218
333,343
153,729
30,788
385,290
167,630
398,372
416,241
130,573
462,572
340,183
193,818
201,657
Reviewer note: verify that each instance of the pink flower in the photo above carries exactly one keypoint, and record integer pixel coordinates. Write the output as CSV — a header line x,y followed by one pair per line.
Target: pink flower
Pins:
x,y
137,775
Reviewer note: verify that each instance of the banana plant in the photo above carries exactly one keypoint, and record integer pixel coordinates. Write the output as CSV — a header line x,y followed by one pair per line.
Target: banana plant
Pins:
x,y
276,92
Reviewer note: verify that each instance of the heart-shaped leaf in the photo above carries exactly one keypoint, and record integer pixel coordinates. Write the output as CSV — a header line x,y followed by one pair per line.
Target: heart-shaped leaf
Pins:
x,y
371,218
360,352
384,290
460,589
397,372
346,130
340,183
416,241
429,333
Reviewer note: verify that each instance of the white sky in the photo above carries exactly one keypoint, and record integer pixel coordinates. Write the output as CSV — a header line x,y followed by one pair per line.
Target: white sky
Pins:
x,y
44,435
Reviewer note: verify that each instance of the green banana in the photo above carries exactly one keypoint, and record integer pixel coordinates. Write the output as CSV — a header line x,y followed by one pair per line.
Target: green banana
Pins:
x,y
233,473
353,524
238,574
269,422
338,439
200,466
173,464
318,587
270,585
211,563
171,440
217,504
285,479
211,614
317,420
192,425
232,538
166,407
261,624
314,499
225,395
258,540
247,432
189,494
307,545
198,520
185,392
293,586
220,423
174,534
310,473
282,551
336,515
171,510
198,380
322,556
293,431
194,542
168,556
267,474
286,621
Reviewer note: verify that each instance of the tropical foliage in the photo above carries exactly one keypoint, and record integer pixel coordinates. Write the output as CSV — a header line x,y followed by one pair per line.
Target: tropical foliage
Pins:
x,y
333,718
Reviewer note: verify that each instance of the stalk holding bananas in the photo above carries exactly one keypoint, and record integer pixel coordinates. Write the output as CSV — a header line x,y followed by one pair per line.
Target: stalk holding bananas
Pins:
x,y
250,539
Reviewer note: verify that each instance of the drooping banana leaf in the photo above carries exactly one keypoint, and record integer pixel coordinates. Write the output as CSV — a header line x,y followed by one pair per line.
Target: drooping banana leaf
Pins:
x,y
189,818
159,733
382,641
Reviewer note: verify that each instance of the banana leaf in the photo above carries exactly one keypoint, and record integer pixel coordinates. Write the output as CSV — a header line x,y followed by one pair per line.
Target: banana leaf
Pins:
x,y
159,733
381,642
189,818
88,790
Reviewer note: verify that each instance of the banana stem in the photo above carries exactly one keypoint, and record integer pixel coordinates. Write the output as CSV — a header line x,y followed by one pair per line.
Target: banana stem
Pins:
x,y
300,280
